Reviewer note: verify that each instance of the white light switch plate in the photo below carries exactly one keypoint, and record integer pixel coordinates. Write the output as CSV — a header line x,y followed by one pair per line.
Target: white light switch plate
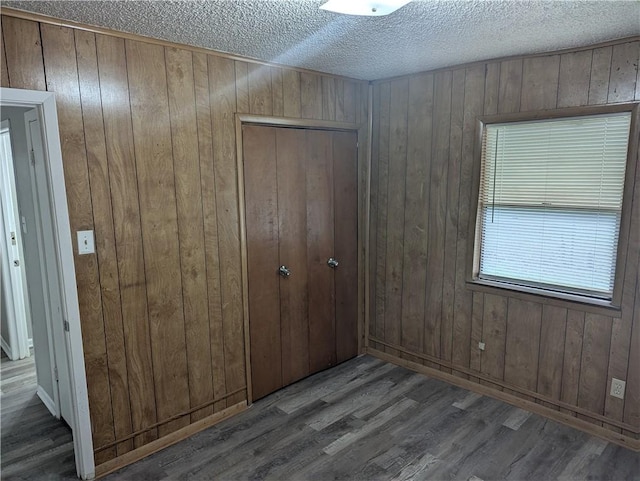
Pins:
x,y
85,242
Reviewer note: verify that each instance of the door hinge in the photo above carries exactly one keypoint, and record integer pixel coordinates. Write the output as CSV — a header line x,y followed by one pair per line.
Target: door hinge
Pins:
x,y
66,325
33,157
55,373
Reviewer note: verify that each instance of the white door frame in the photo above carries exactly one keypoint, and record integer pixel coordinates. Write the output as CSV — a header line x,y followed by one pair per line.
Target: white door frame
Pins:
x,y
16,290
81,424
58,358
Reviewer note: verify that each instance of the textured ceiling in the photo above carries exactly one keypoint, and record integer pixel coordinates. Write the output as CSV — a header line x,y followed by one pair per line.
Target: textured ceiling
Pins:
x,y
423,35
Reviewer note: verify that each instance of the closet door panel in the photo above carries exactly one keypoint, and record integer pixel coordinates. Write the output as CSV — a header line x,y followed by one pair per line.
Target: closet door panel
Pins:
x,y
345,175
320,231
261,195
292,217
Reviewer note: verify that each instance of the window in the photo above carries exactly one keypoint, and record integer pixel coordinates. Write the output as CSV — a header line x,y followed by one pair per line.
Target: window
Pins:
x,y
550,203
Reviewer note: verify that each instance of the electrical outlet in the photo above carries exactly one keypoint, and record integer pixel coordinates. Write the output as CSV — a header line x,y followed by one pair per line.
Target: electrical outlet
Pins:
x,y
617,388
481,345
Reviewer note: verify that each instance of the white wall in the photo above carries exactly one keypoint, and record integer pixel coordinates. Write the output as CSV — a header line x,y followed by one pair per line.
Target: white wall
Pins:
x,y
38,329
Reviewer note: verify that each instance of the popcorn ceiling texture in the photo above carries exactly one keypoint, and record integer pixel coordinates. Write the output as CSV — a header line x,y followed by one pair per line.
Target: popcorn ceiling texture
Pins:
x,y
423,35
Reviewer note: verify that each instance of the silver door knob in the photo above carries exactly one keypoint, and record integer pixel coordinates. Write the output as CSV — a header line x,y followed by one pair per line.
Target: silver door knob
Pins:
x,y
332,263
284,272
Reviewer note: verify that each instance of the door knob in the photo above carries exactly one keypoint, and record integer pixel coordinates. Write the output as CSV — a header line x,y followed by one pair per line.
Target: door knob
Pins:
x,y
332,263
284,272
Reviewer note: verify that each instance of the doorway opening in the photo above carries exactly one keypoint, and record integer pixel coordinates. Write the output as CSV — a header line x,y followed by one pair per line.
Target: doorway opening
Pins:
x,y
43,373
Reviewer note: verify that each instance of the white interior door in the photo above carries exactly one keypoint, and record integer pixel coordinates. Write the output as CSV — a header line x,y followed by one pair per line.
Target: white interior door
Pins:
x,y
14,282
49,265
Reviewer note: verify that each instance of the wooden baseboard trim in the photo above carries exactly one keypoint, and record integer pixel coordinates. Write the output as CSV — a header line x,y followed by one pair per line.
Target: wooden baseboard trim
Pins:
x,y
567,419
168,440
526,392
167,421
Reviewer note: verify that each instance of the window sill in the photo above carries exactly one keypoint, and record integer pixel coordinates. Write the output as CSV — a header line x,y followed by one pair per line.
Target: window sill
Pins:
x,y
561,299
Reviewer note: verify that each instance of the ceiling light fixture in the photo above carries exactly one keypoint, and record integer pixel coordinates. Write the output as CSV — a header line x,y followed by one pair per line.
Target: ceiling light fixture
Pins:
x,y
371,8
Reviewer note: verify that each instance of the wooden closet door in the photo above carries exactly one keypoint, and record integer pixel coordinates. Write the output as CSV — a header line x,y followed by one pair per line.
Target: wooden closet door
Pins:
x,y
301,210
320,232
292,221
261,213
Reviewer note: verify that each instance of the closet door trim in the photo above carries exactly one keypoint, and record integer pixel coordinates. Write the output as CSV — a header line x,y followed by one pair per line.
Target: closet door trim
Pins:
x,y
247,119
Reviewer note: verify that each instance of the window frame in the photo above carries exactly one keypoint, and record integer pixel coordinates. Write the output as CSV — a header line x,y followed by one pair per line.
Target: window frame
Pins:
x,y
528,292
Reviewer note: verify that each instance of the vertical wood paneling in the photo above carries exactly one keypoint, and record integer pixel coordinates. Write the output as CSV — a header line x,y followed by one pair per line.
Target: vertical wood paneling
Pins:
x,y
292,97
210,228
523,339
396,203
242,87
600,73
328,98
260,96
533,346
618,362
349,101
24,53
451,220
159,222
416,223
491,88
374,197
494,330
277,91
118,133
62,78
4,73
552,340
574,80
595,355
540,83
624,69
510,86
186,163
474,105
339,89
383,194
437,210
223,106
632,393
149,148
477,313
630,316
104,234
572,357
311,95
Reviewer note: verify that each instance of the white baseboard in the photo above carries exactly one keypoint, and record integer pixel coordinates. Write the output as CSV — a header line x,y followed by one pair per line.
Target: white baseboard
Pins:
x,y
5,347
47,401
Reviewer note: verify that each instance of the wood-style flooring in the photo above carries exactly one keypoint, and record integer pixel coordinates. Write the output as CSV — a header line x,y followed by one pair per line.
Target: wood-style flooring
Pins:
x,y
34,444
370,420
362,420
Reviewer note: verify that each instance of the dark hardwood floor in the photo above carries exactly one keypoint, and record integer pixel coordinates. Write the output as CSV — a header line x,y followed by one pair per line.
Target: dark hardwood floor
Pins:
x,y
370,420
34,444
364,419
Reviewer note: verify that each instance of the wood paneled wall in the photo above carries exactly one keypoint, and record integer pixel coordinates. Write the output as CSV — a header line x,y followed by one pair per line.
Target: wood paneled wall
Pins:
x,y
424,131
149,150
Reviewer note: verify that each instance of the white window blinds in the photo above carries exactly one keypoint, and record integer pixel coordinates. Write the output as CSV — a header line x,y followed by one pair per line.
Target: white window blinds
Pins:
x,y
550,202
